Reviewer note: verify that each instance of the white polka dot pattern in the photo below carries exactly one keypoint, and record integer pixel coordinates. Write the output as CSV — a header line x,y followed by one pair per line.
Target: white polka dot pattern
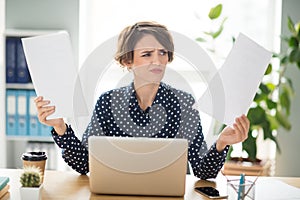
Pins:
x,y
171,115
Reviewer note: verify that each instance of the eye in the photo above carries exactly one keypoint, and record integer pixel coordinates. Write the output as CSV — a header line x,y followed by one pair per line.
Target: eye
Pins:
x,y
163,52
146,54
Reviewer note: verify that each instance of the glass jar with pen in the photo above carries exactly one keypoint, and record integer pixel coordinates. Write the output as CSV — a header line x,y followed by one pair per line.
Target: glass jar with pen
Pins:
x,y
241,189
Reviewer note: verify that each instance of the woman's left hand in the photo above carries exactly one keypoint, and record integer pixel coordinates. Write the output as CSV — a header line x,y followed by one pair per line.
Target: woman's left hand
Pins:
x,y
235,134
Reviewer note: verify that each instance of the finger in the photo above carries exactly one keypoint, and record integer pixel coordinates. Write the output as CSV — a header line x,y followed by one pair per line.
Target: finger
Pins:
x,y
39,98
41,104
237,125
46,109
244,123
43,116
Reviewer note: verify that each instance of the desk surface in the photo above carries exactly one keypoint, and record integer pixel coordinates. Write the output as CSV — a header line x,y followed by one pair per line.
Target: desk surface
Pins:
x,y
71,185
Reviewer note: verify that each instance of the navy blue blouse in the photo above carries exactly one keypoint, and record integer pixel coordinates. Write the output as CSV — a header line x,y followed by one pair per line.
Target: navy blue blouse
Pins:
x,y
171,115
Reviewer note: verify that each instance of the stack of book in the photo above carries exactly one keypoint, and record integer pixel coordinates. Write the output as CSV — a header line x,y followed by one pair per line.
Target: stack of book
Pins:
x,y
4,187
247,168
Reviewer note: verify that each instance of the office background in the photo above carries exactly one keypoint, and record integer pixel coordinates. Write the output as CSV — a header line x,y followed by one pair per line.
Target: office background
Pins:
x,y
70,15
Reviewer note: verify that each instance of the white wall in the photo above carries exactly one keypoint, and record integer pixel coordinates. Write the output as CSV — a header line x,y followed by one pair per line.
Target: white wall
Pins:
x,y
288,163
45,14
101,20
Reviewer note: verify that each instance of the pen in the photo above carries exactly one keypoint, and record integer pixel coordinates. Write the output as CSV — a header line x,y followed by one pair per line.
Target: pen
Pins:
x,y
241,187
253,183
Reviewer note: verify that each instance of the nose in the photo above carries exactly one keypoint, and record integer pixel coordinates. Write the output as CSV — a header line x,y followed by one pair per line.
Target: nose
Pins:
x,y
156,58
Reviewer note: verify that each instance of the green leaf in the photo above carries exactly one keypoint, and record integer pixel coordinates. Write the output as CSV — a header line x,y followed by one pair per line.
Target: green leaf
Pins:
x,y
249,145
271,104
259,97
216,34
271,86
293,42
289,86
269,69
215,12
285,101
199,39
284,60
264,89
295,55
256,115
274,125
283,120
291,25
268,134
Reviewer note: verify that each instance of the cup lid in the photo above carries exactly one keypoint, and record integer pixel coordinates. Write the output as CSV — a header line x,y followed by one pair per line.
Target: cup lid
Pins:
x,y
34,156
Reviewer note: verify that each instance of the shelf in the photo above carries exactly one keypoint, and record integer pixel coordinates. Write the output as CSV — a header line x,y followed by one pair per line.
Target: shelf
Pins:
x,y
30,138
26,86
27,33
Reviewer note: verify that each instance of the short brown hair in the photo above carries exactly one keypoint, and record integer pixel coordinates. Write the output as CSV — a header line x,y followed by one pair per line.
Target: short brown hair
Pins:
x,y
132,34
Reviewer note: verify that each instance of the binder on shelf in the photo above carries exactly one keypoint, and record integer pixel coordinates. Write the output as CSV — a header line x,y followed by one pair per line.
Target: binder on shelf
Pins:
x,y
11,60
22,112
11,112
45,130
23,75
33,122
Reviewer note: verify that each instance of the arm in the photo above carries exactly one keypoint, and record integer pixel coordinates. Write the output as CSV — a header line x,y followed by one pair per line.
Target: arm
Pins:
x,y
74,152
205,163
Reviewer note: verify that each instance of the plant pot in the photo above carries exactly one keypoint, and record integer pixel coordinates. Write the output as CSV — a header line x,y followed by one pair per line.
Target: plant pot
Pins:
x,y
31,193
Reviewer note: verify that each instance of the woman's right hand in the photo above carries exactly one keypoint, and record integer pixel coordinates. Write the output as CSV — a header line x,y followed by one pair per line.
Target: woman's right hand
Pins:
x,y
44,110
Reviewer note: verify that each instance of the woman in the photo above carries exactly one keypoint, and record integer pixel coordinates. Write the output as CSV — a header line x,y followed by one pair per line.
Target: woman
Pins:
x,y
145,108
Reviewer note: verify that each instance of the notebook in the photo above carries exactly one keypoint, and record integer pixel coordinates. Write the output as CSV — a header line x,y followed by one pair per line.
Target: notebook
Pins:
x,y
137,166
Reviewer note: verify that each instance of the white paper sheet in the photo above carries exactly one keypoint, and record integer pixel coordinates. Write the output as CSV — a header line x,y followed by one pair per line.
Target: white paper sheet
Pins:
x,y
275,189
53,71
232,89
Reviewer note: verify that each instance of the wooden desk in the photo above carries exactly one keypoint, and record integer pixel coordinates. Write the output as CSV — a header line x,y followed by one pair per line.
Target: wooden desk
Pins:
x,y
71,185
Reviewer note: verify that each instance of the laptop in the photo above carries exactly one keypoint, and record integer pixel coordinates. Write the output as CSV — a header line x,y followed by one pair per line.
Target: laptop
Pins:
x,y
137,166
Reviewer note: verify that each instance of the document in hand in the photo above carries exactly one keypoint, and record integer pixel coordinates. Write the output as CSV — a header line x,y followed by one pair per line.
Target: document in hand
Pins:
x,y
53,70
232,89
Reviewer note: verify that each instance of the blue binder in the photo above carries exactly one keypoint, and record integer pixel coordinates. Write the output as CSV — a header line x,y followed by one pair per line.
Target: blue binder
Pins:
x,y
45,130
22,116
11,60
11,112
33,122
23,75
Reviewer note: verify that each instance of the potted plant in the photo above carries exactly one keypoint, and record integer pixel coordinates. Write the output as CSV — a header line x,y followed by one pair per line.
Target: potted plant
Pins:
x,y
30,180
271,105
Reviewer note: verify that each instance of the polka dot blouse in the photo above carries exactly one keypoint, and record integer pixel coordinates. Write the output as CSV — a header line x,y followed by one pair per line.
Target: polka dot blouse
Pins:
x,y
171,115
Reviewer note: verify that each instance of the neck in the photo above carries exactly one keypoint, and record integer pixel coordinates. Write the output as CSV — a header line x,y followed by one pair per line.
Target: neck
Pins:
x,y
146,94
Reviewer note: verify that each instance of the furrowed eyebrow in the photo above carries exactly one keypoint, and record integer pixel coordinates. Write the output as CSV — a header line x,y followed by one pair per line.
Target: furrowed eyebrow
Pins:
x,y
151,50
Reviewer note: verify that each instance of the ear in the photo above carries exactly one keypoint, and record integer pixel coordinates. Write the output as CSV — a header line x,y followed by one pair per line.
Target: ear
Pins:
x,y
127,63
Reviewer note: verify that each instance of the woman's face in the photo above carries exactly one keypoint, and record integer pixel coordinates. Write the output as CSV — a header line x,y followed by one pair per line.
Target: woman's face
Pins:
x,y
149,60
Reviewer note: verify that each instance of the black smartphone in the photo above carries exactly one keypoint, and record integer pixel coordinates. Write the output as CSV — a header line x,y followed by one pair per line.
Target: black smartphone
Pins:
x,y
211,192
